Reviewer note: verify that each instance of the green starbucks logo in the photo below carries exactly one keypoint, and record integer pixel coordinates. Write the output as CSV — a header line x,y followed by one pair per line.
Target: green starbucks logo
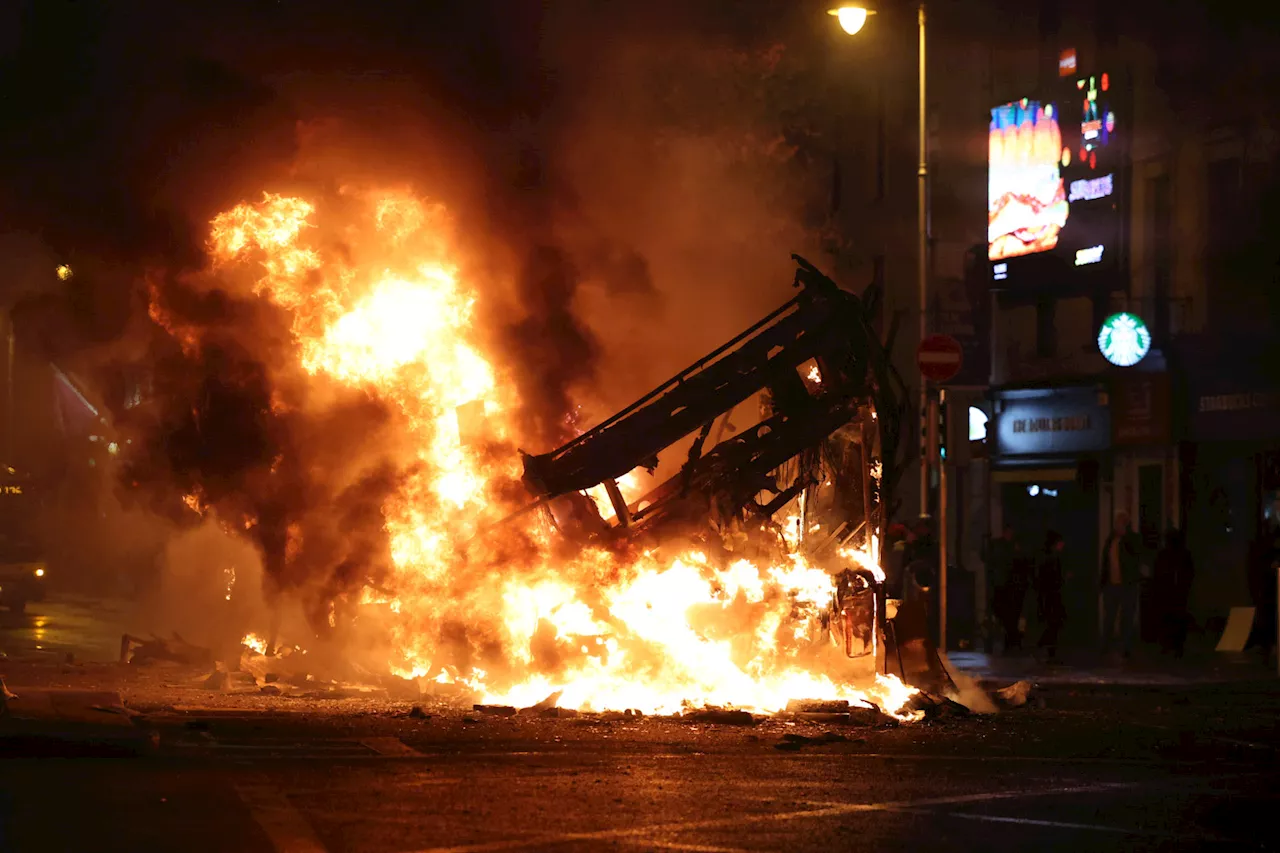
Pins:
x,y
1124,339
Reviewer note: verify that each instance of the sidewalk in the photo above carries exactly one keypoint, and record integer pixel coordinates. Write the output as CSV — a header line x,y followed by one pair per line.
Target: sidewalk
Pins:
x,y
1146,669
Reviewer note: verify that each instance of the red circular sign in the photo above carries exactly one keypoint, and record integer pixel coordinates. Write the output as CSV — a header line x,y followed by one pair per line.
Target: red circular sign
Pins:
x,y
939,357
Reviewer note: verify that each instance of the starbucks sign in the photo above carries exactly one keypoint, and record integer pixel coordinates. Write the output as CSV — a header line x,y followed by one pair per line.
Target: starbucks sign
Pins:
x,y
1124,339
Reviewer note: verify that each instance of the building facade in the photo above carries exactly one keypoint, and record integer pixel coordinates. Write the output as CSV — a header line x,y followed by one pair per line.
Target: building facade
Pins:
x,y
1192,435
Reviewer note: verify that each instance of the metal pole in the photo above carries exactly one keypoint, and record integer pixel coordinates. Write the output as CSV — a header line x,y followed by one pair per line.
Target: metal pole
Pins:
x,y
1277,649
923,250
942,527
8,408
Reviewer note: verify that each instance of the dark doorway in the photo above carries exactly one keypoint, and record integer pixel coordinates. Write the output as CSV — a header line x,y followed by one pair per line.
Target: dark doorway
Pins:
x,y
1151,527
1069,508
1151,505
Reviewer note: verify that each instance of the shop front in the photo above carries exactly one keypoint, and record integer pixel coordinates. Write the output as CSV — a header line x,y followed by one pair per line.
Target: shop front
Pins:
x,y
1145,467
1145,459
1051,472
1232,461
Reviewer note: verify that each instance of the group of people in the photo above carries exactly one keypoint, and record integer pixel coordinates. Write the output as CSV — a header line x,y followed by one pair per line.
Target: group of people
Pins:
x,y
1043,572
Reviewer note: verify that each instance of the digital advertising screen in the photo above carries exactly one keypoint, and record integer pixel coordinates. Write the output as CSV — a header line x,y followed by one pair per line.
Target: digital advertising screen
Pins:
x,y
1056,183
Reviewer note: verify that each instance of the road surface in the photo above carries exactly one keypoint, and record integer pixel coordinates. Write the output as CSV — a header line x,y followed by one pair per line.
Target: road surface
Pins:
x,y
87,628
1080,768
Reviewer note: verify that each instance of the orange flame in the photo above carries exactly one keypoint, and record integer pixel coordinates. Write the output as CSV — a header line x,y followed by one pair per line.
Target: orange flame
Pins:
x,y
394,316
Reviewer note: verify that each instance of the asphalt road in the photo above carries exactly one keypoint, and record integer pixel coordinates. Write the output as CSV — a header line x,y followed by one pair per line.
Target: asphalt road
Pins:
x,y
87,628
1101,772
1081,768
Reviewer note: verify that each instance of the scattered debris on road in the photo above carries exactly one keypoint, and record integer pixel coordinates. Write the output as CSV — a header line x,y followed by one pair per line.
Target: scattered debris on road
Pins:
x,y
720,715
791,741
1015,695
139,651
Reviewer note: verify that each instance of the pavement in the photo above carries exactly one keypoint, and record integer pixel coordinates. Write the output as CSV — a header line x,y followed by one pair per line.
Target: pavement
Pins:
x,y
1146,667
1102,764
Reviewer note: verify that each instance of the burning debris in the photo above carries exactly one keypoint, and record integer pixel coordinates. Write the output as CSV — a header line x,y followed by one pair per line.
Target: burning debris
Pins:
x,y
326,391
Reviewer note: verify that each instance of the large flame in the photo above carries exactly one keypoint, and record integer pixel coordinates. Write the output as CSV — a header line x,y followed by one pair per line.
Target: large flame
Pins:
x,y
395,317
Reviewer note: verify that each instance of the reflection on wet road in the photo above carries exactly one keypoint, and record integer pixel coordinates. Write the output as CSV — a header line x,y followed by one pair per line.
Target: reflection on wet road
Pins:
x,y
88,628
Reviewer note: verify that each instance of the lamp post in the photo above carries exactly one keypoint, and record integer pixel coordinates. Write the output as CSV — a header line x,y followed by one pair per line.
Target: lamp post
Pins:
x,y
852,18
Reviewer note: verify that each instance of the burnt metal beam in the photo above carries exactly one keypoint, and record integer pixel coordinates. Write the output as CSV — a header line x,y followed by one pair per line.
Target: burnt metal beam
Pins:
x,y
821,321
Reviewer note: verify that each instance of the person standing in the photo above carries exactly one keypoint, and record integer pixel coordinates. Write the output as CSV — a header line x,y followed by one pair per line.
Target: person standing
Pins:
x,y
921,544
1049,583
1009,570
895,561
1120,577
1263,565
1171,579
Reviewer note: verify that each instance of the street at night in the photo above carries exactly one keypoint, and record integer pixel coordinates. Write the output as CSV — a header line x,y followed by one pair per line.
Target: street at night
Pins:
x,y
1160,770
1107,758
564,425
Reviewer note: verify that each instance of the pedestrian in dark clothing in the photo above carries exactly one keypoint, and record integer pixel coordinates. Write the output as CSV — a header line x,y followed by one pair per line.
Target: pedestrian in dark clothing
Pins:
x,y
1171,579
1263,565
1049,583
921,544
1120,579
1009,569
895,561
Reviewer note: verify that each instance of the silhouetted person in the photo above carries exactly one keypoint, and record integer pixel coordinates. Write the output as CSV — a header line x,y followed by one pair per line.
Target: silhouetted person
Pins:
x,y
1171,582
921,543
1120,578
1049,582
1263,564
922,567
895,561
1010,571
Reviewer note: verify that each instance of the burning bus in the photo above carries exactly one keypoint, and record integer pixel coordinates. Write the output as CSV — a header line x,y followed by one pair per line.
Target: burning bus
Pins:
x,y
327,391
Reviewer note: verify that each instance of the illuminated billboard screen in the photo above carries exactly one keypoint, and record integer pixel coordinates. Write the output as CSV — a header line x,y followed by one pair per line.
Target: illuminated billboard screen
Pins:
x,y
1055,179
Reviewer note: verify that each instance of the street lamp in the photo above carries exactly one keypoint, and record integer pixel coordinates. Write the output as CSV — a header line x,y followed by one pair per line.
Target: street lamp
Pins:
x,y
851,19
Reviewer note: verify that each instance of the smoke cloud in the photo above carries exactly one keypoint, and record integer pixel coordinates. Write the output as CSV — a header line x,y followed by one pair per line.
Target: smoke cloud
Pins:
x,y
629,198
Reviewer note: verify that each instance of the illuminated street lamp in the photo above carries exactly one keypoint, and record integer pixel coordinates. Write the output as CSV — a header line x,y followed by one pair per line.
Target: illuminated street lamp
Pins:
x,y
851,18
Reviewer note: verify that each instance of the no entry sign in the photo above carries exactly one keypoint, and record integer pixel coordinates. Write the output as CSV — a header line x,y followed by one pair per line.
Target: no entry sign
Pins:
x,y
939,357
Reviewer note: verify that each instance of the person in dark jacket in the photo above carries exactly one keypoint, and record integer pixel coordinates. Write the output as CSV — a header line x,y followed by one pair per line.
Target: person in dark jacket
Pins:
x,y
1049,583
1264,561
895,561
1120,579
921,544
1171,579
1009,569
